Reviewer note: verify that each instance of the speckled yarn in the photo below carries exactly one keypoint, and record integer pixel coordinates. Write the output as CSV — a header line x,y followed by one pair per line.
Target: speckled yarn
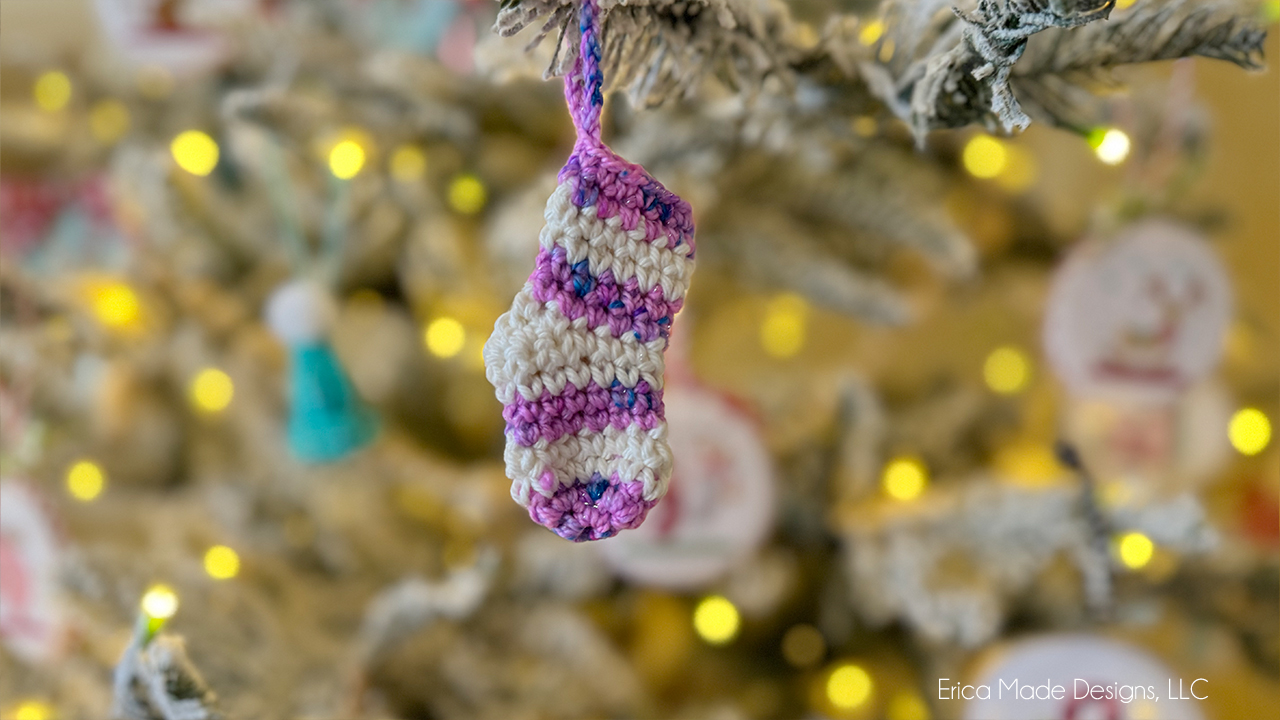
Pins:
x,y
578,360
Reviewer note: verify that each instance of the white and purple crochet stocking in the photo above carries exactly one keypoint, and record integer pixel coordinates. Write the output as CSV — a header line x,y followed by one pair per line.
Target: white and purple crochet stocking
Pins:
x,y
578,360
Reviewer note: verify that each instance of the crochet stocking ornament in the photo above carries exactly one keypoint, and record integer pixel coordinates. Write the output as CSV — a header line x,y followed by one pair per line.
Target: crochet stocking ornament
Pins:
x,y
578,359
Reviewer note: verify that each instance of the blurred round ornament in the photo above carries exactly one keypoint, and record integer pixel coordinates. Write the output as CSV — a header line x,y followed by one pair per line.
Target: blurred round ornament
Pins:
x,y
31,613
1135,443
1140,317
27,210
720,504
1100,679
182,36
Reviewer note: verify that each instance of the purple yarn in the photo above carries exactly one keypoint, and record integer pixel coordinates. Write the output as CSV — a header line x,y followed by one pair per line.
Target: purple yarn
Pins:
x,y
555,416
623,308
587,511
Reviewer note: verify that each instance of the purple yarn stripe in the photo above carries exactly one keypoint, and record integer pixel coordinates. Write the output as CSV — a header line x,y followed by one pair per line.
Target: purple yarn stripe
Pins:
x,y
624,308
619,188
552,417
591,510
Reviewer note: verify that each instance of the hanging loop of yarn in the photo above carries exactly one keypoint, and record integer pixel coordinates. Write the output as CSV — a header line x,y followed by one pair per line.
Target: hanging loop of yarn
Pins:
x,y
578,360
584,83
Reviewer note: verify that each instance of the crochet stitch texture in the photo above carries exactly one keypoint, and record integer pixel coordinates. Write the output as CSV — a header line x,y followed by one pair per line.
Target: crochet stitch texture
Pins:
x,y
577,361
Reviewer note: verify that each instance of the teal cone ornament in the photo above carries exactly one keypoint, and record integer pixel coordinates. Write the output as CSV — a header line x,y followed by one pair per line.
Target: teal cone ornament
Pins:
x,y
327,418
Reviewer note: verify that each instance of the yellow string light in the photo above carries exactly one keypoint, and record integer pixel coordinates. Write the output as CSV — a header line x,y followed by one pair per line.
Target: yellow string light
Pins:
x,y
1270,12
85,480
211,390
865,126
904,478
907,706
114,304
1134,550
1020,171
444,337
1111,145
803,646
160,602
849,687
716,620
1007,370
467,194
346,159
871,32
221,562
886,51
1249,431
408,164
108,121
33,710
52,90
195,152
985,157
785,326
1028,463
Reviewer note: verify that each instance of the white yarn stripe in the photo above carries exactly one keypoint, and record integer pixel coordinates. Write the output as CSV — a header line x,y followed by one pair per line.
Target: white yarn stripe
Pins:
x,y
631,454
605,245
534,347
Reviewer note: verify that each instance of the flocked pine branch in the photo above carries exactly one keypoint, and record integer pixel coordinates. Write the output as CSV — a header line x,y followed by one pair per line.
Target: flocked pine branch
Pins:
x,y
964,77
659,49
156,681
940,63
1059,68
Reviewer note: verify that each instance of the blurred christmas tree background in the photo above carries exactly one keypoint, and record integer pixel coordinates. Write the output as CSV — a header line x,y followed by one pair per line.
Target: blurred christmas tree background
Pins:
x,y
252,467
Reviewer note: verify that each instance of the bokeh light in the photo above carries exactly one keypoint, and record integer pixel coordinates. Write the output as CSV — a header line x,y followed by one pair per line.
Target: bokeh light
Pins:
x,y
785,326
408,164
1020,172
467,194
803,646
1249,431
211,390
52,90
716,620
1111,145
904,478
444,337
871,32
1270,11
1031,464
108,121
85,480
195,152
865,126
849,687
985,157
33,710
346,159
1007,370
1134,550
115,304
907,706
160,602
221,562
